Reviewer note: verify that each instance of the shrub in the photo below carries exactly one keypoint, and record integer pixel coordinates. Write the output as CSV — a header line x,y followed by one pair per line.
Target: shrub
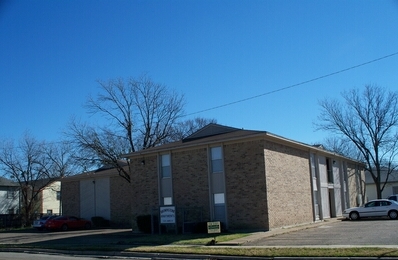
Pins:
x,y
200,227
100,222
144,223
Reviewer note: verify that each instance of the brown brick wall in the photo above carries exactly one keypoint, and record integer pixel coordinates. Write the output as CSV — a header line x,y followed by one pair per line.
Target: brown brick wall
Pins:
x,y
245,185
190,180
144,184
288,185
120,200
70,195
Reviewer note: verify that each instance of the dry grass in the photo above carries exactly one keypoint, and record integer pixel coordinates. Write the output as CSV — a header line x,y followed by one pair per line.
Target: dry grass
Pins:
x,y
271,252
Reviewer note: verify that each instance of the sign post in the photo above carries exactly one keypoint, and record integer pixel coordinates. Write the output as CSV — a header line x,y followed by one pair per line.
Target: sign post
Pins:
x,y
214,228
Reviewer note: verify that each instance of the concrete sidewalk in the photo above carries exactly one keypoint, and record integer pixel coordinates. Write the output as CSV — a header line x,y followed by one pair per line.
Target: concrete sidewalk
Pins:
x,y
259,235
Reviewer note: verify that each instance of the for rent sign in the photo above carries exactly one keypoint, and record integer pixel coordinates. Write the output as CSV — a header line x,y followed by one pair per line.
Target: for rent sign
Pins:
x,y
168,215
213,227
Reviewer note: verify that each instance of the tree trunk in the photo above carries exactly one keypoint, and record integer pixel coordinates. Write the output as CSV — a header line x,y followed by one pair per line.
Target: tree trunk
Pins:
x,y
378,190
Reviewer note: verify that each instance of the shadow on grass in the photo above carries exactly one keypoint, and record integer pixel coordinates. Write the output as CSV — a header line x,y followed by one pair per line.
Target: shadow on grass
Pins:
x,y
116,240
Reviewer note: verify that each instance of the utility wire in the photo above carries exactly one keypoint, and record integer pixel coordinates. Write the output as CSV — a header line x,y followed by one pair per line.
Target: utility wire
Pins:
x,y
295,85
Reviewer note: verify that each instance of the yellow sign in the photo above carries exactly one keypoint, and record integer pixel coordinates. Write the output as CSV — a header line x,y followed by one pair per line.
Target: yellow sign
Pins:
x,y
213,227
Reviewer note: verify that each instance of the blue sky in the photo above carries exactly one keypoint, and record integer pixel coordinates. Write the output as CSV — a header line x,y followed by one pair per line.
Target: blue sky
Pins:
x,y
214,52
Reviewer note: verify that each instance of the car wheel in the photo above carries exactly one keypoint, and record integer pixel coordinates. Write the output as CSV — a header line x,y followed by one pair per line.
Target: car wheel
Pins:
x,y
87,226
354,215
393,214
64,227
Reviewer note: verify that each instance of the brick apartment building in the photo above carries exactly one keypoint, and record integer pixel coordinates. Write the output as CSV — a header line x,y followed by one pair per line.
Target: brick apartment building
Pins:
x,y
245,179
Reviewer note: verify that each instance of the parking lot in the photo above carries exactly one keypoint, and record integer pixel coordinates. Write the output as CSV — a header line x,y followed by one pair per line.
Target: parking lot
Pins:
x,y
366,232
378,232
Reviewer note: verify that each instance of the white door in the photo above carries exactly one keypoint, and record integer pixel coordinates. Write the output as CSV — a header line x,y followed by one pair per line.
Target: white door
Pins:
x,y
95,198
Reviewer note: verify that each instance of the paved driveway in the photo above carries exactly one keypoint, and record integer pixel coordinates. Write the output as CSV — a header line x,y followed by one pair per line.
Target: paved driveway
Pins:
x,y
79,237
371,232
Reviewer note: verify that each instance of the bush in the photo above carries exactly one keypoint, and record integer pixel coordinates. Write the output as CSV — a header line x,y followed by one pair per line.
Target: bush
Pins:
x,y
144,223
200,227
100,222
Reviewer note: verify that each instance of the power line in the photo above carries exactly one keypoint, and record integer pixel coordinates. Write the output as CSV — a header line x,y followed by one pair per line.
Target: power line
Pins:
x,y
295,85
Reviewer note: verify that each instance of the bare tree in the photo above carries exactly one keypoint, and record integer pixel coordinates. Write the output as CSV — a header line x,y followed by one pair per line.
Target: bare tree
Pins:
x,y
342,146
369,119
33,165
140,113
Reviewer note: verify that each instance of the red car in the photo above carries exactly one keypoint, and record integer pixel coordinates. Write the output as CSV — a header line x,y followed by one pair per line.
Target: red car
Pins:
x,y
67,222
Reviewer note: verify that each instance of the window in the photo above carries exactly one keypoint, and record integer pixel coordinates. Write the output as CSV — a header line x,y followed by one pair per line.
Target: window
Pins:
x,y
166,185
217,183
219,207
216,160
167,201
165,166
11,211
372,204
11,194
58,195
219,198
313,168
329,168
385,203
49,212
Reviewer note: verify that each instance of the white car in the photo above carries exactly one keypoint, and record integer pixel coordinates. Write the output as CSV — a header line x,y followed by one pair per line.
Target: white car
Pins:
x,y
373,208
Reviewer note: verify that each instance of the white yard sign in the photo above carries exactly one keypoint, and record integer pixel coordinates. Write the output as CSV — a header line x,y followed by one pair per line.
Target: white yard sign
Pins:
x,y
168,215
213,227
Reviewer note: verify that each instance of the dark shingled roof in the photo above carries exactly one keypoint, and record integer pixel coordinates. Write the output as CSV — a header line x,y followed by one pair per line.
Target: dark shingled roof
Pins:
x,y
208,134
7,182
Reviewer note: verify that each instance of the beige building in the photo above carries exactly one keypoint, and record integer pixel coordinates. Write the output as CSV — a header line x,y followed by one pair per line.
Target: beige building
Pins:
x,y
9,197
49,199
100,193
390,188
251,180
